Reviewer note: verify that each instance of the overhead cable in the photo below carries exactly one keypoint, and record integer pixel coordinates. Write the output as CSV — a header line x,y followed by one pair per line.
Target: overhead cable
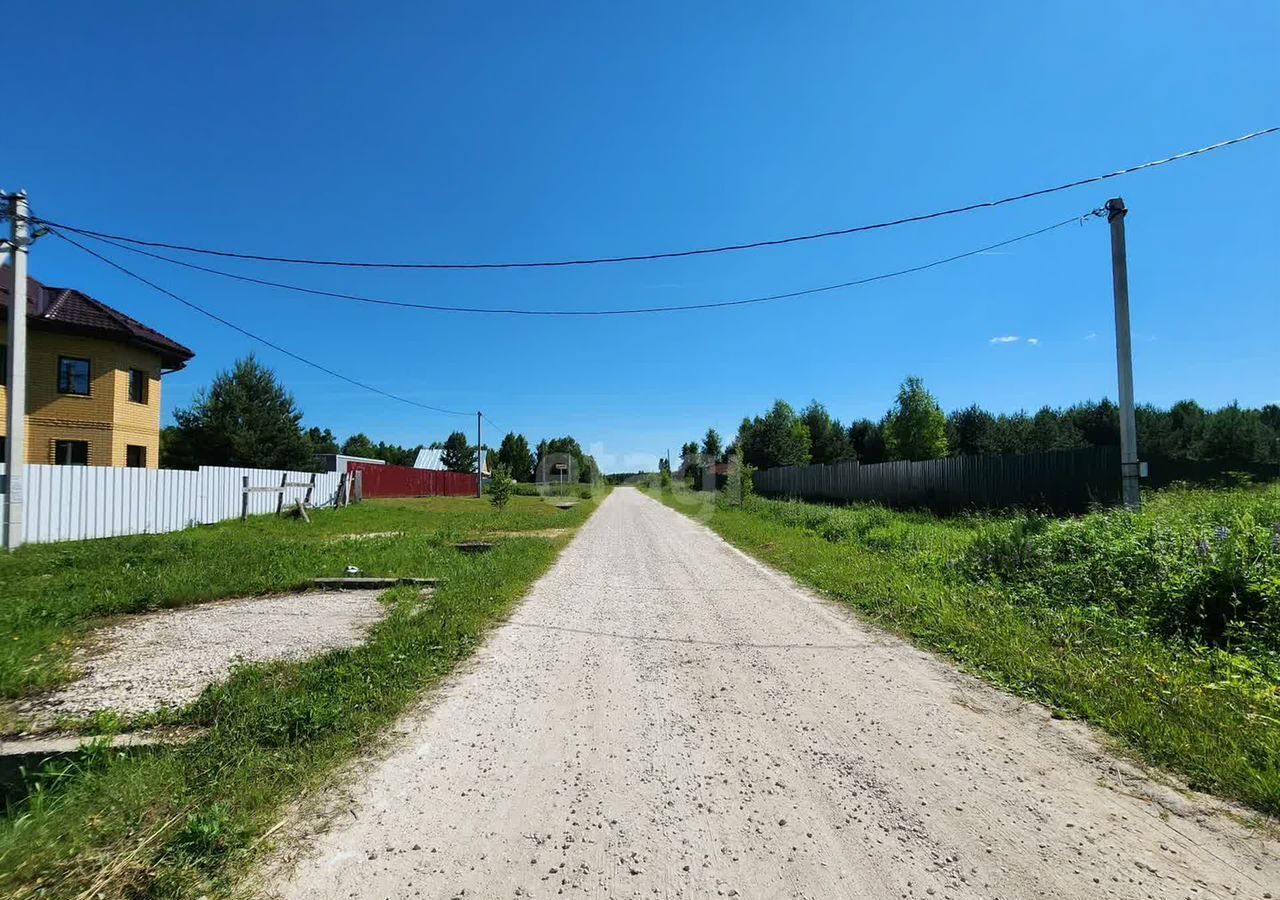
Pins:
x,y
671,254
259,338
628,311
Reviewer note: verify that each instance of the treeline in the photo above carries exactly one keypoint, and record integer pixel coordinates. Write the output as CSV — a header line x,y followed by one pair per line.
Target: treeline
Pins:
x,y
916,428
526,465
360,444
247,418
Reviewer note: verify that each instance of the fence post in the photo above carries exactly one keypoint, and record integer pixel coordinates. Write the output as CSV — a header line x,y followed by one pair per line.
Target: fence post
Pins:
x,y
306,500
244,498
284,479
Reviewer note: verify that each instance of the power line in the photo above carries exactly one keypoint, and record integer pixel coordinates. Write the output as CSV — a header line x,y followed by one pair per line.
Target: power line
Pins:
x,y
720,304
702,251
496,426
249,334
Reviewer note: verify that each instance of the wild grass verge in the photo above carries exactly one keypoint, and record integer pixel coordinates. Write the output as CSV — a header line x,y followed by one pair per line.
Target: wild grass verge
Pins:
x,y
184,821
1202,703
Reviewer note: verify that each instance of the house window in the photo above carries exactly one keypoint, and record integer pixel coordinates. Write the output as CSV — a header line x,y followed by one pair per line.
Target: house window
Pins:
x,y
138,383
73,376
71,453
135,456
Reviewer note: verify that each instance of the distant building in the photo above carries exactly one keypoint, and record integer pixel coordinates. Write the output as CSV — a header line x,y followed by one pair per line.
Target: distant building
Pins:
x,y
337,462
93,379
430,458
712,477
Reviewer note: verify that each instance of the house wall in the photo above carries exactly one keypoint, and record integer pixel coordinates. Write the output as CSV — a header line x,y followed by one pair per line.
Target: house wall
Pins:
x,y
106,419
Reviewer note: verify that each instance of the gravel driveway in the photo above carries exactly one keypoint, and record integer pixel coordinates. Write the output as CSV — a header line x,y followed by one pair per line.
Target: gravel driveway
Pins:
x,y
664,717
166,659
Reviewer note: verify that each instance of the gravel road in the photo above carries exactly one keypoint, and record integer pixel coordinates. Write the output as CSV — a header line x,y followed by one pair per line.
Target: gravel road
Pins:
x,y
664,717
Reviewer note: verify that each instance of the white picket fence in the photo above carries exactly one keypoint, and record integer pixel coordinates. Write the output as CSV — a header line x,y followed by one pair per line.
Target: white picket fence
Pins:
x,y
73,503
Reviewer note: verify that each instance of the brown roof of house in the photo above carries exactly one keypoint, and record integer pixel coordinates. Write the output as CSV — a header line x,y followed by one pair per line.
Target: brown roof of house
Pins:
x,y
66,309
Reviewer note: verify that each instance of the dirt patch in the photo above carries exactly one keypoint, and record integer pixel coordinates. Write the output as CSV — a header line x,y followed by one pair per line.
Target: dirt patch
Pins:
x,y
166,659
537,532
366,536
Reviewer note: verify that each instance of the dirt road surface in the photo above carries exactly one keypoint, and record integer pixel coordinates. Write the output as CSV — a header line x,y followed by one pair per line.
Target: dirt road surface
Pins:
x,y
664,717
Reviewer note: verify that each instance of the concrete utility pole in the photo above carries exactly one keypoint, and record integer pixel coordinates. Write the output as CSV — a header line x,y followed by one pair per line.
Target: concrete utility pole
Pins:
x,y
1129,466
15,444
479,460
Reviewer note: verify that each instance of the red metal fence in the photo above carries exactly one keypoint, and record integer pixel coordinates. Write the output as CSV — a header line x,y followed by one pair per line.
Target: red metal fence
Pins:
x,y
406,481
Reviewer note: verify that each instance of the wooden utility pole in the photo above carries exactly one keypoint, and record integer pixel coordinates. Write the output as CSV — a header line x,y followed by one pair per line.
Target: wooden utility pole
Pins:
x,y
15,444
479,460
1129,466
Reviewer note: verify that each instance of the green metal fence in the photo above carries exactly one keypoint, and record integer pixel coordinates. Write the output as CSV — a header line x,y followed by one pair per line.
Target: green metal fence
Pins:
x,y
1056,480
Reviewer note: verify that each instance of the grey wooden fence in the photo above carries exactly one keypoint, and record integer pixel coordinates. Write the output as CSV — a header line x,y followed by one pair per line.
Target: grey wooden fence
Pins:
x,y
1057,480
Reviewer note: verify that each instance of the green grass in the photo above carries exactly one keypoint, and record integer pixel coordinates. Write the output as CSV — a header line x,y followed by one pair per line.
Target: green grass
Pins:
x,y
1209,713
185,821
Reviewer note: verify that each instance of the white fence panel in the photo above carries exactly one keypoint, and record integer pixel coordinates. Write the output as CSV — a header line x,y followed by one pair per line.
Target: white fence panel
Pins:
x,y
71,503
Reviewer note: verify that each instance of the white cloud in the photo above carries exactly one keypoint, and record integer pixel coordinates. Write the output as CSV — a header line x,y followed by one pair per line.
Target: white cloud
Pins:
x,y
1091,336
1033,340
1005,339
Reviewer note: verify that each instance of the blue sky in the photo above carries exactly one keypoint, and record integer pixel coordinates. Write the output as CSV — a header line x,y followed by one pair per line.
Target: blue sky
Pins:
x,y
459,132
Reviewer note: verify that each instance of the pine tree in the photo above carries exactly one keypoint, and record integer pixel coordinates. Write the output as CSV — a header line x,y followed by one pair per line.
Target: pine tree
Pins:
x,y
244,418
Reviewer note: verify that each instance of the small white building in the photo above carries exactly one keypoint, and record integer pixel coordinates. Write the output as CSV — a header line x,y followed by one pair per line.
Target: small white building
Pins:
x,y
430,458
337,462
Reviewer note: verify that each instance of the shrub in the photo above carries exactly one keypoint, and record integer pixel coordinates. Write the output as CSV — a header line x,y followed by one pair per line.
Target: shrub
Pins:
x,y
738,485
584,493
1205,570
501,486
1002,549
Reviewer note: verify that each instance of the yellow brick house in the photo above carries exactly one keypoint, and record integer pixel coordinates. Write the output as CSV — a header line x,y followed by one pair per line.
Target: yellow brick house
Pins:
x,y
93,379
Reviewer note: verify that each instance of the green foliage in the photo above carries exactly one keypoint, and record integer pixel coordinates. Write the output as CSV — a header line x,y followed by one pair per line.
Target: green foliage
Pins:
x,y
971,431
915,428
866,439
244,418
580,462
712,445
1235,433
458,455
1202,568
1210,444
828,439
515,454
322,440
395,455
738,488
359,445
690,459
501,485
779,438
